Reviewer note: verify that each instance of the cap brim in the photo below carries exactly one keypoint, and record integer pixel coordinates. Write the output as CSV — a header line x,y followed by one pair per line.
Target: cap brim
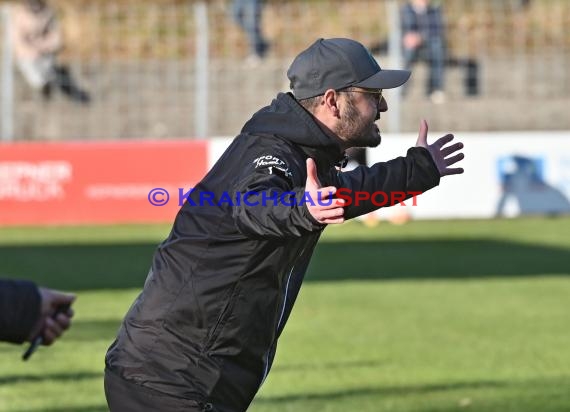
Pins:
x,y
385,79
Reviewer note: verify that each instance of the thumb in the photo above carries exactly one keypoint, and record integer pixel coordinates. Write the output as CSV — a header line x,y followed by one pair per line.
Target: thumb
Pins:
x,y
422,136
63,298
54,298
312,178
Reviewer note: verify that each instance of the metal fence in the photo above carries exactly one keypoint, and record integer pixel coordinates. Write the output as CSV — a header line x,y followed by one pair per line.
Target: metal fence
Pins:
x,y
181,69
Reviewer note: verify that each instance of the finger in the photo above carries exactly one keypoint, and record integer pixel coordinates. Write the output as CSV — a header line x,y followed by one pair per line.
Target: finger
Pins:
x,y
327,204
452,171
50,332
339,202
63,321
422,135
54,327
312,178
324,193
61,298
446,151
48,337
336,221
331,213
454,159
55,299
442,141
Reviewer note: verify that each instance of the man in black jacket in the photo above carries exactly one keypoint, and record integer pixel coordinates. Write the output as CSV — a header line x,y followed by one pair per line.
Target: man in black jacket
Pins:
x,y
203,333
26,312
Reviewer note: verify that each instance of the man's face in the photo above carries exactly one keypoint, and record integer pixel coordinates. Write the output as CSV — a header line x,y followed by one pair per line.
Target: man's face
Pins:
x,y
421,3
360,111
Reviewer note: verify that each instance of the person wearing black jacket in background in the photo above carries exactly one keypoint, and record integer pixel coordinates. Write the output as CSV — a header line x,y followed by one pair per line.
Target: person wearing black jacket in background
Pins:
x,y
26,312
202,334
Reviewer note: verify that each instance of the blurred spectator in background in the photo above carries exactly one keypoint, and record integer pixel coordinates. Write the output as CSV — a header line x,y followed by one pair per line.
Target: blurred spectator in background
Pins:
x,y
524,185
424,39
26,312
247,13
37,42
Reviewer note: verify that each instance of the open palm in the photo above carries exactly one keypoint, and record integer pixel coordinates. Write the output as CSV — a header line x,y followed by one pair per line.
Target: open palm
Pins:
x,y
443,157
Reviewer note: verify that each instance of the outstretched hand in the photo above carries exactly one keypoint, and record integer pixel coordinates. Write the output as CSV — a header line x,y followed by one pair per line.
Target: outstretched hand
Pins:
x,y
323,207
442,156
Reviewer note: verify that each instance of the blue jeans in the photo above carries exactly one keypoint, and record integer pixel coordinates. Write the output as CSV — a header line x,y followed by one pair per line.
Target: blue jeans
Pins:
x,y
247,13
433,53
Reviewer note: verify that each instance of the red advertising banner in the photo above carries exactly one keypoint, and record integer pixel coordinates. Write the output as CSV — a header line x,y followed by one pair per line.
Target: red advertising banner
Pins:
x,y
97,182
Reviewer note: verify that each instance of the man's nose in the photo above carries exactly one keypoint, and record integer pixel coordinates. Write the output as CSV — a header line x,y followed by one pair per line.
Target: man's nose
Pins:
x,y
382,107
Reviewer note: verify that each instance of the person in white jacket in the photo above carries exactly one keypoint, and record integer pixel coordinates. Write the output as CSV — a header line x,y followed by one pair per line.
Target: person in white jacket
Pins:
x,y
37,42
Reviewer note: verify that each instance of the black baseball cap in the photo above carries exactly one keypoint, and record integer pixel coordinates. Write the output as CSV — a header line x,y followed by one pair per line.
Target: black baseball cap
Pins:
x,y
337,64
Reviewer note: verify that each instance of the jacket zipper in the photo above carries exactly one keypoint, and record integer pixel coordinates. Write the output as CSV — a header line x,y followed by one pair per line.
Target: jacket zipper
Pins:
x,y
266,371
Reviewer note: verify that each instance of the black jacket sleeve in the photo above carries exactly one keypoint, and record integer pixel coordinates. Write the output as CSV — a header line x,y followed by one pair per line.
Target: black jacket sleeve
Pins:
x,y
272,204
395,180
19,309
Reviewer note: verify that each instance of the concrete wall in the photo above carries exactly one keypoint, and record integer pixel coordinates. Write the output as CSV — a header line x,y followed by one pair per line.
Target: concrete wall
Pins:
x,y
130,101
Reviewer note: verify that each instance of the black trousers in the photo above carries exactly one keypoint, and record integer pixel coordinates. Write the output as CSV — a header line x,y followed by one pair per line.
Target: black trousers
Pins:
x,y
124,396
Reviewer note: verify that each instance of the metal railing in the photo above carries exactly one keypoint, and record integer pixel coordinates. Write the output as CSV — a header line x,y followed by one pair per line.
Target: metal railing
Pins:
x,y
182,69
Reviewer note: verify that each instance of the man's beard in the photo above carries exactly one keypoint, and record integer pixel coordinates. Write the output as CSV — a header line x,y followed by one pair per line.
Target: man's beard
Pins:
x,y
354,129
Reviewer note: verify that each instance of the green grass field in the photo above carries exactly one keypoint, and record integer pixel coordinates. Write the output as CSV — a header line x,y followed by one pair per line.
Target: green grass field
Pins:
x,y
429,316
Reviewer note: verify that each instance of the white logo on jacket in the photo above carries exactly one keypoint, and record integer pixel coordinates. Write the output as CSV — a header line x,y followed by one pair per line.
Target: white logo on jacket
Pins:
x,y
268,160
273,164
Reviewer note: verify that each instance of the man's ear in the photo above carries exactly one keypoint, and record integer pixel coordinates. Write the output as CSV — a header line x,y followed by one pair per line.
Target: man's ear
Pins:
x,y
330,101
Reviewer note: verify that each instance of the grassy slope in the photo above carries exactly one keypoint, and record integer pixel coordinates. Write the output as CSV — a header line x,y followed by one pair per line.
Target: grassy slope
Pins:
x,y
430,316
